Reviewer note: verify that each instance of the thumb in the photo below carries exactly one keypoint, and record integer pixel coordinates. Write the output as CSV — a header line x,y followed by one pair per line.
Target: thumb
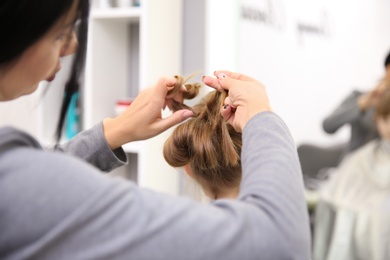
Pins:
x,y
174,119
228,82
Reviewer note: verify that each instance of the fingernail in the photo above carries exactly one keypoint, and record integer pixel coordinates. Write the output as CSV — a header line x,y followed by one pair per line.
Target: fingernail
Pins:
x,y
188,114
221,76
203,77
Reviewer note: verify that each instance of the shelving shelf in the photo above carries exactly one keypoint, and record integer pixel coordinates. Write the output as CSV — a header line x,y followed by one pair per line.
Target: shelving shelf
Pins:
x,y
128,51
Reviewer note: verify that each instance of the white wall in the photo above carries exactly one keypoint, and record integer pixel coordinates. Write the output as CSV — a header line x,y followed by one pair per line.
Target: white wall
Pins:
x,y
309,54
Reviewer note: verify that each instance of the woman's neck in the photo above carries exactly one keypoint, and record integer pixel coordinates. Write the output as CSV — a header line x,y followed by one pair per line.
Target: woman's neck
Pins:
x,y
231,193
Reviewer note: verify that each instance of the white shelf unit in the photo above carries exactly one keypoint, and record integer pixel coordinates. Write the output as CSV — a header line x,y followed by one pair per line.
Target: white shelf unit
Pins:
x,y
129,49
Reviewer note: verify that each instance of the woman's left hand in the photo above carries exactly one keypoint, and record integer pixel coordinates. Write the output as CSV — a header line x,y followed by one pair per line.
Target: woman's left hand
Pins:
x,y
143,118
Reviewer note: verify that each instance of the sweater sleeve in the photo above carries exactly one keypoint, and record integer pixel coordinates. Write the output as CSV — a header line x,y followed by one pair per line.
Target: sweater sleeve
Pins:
x,y
272,181
91,146
348,111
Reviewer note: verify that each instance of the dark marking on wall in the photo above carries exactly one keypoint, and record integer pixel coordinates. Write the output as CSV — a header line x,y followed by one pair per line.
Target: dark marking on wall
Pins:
x,y
317,28
271,15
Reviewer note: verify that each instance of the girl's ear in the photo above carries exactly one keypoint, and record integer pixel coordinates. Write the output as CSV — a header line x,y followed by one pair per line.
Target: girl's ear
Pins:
x,y
189,172
206,190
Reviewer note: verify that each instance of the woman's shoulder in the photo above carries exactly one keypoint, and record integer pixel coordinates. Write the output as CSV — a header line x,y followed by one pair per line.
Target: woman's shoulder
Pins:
x,y
13,137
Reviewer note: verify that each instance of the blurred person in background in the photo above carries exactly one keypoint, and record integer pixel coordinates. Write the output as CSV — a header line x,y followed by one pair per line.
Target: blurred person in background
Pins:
x,y
353,211
357,110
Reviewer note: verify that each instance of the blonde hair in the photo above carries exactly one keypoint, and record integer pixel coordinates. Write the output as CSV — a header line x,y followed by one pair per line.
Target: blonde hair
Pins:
x,y
209,145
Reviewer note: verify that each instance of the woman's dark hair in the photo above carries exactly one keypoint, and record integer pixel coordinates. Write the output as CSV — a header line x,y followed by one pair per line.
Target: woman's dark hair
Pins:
x,y
387,60
23,22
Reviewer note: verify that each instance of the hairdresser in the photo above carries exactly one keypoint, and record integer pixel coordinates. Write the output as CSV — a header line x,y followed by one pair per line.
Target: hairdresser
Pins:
x,y
59,204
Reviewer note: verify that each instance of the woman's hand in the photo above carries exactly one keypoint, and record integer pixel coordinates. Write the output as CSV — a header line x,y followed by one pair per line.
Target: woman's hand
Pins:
x,y
246,97
371,98
143,119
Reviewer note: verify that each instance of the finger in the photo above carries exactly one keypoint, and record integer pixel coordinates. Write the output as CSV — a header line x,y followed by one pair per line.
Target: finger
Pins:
x,y
227,101
164,85
227,83
212,82
170,81
168,103
179,98
174,119
172,94
228,79
226,112
219,74
161,90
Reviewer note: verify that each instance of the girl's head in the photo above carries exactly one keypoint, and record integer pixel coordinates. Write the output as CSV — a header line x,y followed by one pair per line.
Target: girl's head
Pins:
x,y
208,148
36,34
383,114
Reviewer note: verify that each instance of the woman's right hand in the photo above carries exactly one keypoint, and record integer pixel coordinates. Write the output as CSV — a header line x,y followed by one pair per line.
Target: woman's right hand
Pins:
x,y
143,118
246,97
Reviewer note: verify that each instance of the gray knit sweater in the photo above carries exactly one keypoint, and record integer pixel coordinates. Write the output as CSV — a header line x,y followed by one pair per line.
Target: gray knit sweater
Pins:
x,y
59,205
362,123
